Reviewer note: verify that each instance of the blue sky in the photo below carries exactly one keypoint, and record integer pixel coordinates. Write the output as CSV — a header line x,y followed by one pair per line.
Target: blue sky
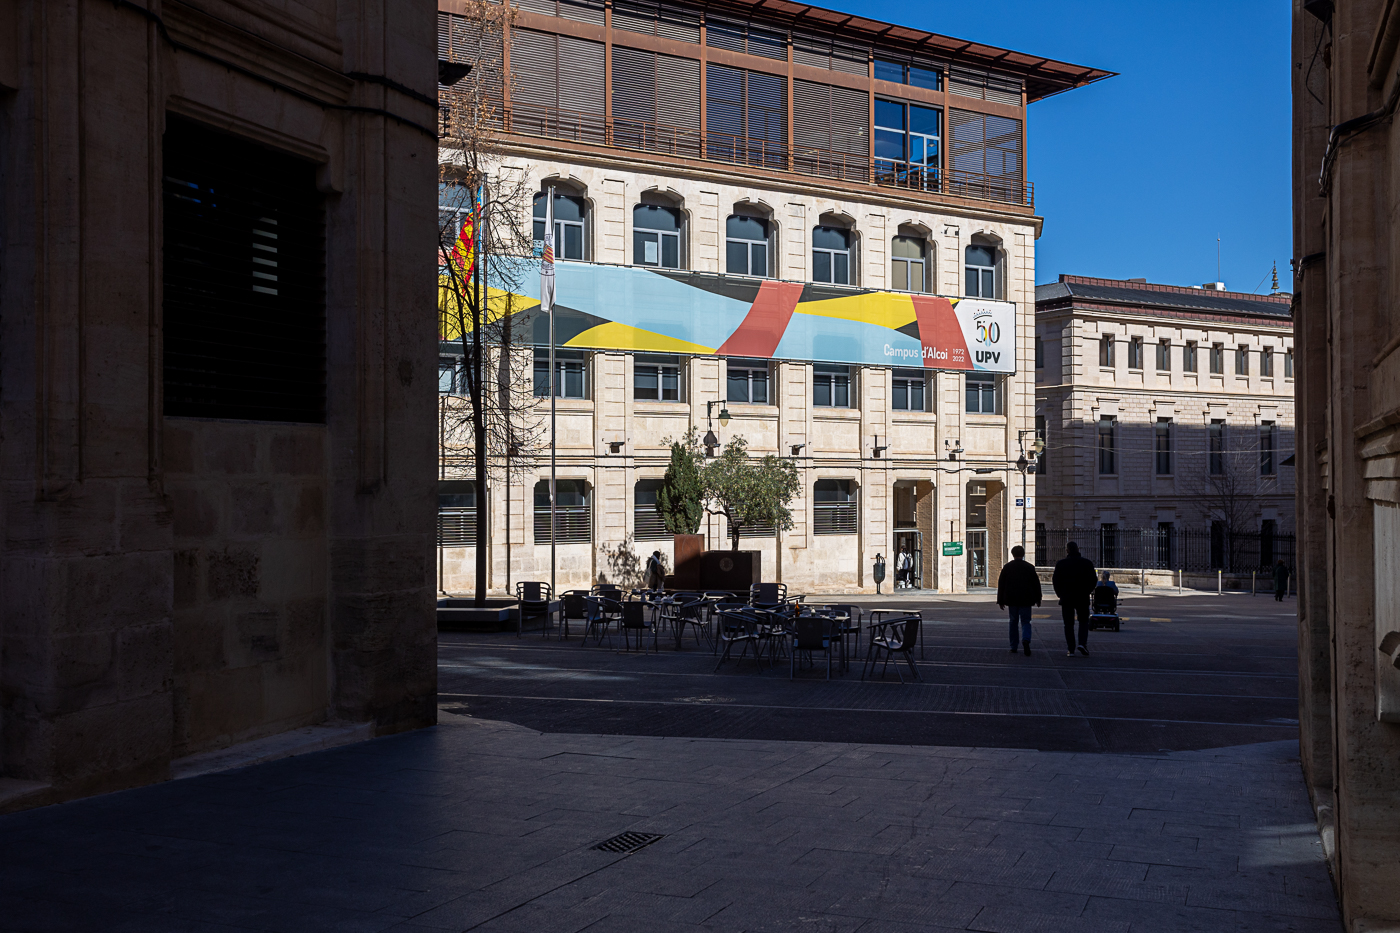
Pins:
x,y
1137,175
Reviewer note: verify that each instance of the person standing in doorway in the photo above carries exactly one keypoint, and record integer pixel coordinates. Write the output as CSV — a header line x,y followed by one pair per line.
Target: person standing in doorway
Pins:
x,y
1280,580
903,568
1074,583
1018,588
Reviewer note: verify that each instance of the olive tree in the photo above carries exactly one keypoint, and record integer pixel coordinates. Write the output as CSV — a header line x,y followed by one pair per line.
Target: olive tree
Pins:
x,y
679,500
749,491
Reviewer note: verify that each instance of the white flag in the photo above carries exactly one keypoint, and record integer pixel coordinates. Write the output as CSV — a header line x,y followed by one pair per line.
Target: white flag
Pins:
x,y
547,263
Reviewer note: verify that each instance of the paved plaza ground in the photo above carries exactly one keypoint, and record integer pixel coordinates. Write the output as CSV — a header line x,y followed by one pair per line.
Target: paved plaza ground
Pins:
x,y
1151,787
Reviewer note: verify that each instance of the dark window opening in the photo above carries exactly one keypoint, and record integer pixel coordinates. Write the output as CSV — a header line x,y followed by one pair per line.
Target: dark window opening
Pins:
x,y
573,515
244,314
834,510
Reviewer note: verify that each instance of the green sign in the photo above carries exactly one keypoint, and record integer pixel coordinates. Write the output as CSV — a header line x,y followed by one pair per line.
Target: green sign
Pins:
x,y
952,549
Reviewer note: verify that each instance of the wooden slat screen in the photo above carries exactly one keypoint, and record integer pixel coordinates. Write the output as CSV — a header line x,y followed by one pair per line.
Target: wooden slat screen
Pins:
x,y
984,85
746,113
829,122
571,108
461,40
740,36
824,51
583,11
656,102
988,148
653,19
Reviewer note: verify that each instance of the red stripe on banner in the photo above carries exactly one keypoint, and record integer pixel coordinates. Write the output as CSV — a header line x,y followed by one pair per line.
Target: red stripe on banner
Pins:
x,y
762,329
940,333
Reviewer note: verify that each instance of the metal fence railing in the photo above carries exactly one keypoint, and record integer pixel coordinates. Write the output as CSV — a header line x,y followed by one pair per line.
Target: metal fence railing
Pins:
x,y
1193,550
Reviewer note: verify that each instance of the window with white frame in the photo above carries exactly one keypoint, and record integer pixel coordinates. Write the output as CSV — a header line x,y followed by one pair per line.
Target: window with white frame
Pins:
x,y
656,236
1106,350
746,246
746,381
908,264
831,255
1188,357
656,378
834,508
983,393
573,516
980,267
1241,361
831,385
1164,356
1266,362
570,225
909,390
570,373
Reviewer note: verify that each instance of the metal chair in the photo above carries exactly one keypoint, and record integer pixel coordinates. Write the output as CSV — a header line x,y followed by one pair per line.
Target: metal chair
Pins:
x,y
737,626
849,629
811,633
880,615
573,606
890,637
685,610
602,611
533,598
768,595
635,618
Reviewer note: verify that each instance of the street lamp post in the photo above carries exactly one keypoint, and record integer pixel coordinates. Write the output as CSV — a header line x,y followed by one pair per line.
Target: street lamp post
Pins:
x,y
1026,466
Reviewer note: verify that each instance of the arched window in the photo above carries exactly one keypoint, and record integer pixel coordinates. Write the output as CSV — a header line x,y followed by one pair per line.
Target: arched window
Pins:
x,y
831,255
746,245
908,264
572,512
981,267
656,236
570,226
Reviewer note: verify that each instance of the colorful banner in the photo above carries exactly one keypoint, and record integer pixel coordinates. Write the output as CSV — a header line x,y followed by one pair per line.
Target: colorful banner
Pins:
x,y
600,307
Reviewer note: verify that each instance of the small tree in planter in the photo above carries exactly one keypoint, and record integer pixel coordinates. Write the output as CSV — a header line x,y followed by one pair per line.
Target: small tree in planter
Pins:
x,y
679,498
748,491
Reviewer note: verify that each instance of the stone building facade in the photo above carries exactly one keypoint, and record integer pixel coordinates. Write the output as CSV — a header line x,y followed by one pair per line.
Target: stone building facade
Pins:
x,y
1163,409
892,464
1346,148
216,372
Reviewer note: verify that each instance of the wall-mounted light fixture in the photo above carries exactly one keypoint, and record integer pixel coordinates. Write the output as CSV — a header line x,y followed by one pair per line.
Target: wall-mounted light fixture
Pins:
x,y
953,448
881,448
796,448
615,447
710,441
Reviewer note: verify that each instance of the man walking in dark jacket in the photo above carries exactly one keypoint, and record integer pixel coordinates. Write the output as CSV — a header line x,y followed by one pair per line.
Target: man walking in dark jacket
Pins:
x,y
1018,587
1074,582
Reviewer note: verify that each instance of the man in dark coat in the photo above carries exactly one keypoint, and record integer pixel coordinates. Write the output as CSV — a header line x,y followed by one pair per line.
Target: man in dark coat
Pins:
x,y
1074,582
1280,580
1018,587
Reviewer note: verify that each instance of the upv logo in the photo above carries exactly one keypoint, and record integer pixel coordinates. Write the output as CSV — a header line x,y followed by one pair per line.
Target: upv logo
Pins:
x,y
986,330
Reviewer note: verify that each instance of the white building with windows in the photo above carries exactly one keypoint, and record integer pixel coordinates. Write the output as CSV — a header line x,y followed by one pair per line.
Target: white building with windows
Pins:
x,y
1166,411
827,176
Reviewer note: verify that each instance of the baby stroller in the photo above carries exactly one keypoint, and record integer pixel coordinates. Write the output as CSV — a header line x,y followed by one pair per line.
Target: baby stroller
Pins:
x,y
1103,608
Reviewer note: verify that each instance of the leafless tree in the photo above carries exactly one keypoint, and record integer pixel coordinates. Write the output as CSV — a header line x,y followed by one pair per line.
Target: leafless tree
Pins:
x,y
1227,484
490,423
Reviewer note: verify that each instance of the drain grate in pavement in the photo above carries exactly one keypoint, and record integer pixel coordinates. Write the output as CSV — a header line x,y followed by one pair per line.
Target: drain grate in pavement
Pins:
x,y
627,842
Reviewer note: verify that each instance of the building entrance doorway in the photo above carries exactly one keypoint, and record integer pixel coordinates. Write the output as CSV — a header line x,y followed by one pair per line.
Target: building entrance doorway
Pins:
x,y
977,557
908,574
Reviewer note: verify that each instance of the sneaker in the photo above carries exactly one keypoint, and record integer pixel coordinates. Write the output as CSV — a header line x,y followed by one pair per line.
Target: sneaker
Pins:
x,y
1025,647
1069,654
1084,650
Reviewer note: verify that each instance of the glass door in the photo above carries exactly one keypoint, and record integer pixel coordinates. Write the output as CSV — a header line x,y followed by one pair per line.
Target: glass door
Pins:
x,y
977,557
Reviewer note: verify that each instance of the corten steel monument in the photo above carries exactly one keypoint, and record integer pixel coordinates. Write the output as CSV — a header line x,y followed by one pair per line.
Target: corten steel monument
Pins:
x,y
1345,94
216,380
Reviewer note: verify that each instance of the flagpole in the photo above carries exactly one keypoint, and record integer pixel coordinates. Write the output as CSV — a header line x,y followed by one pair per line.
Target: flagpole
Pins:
x,y
553,446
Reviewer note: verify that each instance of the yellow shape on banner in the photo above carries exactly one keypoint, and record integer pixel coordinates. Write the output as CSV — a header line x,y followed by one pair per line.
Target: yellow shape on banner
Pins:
x,y
615,336
498,303
883,309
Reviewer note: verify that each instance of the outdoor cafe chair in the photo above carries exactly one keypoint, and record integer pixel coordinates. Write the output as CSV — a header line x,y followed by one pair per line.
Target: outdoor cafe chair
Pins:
x,y
573,606
738,626
849,629
532,599
768,595
810,633
879,615
602,612
610,590
891,637
636,618
685,610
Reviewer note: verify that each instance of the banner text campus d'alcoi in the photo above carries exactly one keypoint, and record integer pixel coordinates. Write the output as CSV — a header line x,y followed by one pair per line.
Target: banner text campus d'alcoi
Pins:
x,y
601,307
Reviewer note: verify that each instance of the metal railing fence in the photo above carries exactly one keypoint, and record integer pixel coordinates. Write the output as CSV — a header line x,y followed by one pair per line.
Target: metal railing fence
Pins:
x,y
1193,550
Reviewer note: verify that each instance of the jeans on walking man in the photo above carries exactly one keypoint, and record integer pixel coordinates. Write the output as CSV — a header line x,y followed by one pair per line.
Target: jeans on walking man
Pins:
x,y
1074,583
1018,588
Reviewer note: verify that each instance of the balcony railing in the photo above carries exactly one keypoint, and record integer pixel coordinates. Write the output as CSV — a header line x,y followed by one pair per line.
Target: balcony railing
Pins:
x,y
681,142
